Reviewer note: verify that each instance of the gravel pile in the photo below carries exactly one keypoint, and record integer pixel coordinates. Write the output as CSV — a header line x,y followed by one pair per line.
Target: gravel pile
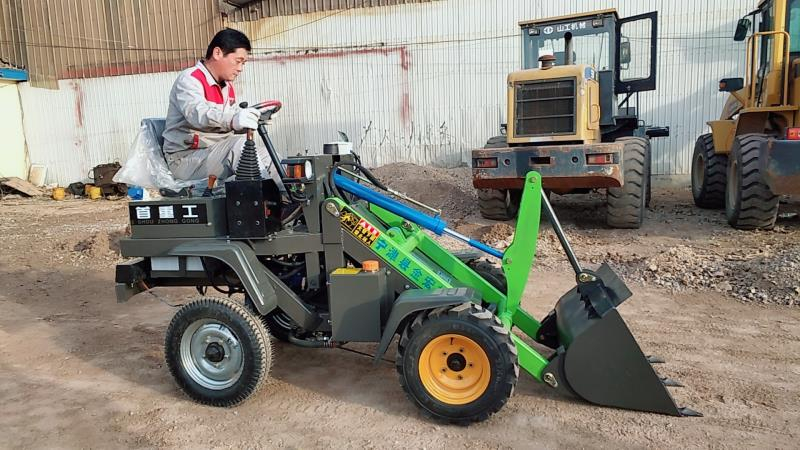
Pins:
x,y
449,190
766,275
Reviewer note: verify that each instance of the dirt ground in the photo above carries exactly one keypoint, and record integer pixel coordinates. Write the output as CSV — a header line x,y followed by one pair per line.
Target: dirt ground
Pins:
x,y
78,370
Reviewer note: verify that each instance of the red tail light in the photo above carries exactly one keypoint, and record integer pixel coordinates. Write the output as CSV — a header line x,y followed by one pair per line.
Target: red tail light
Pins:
x,y
793,134
600,158
486,163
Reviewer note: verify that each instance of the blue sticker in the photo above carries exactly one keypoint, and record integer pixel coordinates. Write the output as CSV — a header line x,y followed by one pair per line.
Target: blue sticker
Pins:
x,y
588,73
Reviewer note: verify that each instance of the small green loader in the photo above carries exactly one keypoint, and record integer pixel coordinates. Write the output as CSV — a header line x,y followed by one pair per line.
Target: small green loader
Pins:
x,y
332,257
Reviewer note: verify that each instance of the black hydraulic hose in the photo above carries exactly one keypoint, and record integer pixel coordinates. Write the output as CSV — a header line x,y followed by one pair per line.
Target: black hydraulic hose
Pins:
x,y
356,157
372,178
369,175
316,343
295,197
291,273
294,215
210,278
287,264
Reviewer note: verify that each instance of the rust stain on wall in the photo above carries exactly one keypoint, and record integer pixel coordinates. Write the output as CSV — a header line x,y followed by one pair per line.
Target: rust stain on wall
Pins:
x,y
76,87
402,52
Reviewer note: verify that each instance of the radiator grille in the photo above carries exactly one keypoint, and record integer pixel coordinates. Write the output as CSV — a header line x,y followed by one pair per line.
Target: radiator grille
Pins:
x,y
545,108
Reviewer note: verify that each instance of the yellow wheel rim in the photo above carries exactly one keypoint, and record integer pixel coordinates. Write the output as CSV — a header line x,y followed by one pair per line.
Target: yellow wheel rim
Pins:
x,y
454,369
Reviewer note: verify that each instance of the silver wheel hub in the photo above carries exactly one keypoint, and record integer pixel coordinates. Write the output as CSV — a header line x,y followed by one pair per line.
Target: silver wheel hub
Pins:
x,y
211,354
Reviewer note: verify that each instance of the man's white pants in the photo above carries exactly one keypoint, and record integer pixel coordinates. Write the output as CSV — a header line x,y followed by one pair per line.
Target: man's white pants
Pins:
x,y
220,159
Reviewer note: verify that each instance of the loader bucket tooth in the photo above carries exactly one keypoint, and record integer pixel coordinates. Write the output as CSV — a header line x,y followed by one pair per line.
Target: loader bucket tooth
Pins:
x,y
653,359
599,360
669,382
689,412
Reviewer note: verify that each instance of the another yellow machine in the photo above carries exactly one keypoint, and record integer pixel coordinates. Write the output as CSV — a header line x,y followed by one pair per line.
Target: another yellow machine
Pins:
x,y
564,118
752,155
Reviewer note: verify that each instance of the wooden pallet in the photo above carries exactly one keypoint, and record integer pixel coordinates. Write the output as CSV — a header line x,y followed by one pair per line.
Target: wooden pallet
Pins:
x,y
21,186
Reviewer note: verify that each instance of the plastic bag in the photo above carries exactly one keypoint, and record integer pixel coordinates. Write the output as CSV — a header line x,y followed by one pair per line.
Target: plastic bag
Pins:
x,y
146,166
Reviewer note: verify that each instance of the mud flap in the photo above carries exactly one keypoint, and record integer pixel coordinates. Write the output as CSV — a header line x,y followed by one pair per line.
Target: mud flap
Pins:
x,y
597,357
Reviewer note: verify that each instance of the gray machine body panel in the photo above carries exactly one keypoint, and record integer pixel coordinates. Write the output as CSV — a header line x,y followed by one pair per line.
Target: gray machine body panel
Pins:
x,y
265,289
414,300
193,217
241,258
356,301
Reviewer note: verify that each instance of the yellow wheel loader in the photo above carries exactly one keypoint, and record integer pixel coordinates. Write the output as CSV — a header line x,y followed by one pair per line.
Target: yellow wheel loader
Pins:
x,y
565,119
752,155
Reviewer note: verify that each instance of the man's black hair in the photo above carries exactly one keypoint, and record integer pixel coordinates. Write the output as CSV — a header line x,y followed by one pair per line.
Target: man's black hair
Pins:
x,y
228,40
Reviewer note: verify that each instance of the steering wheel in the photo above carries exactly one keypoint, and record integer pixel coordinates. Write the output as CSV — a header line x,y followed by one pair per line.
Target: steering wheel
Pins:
x,y
267,108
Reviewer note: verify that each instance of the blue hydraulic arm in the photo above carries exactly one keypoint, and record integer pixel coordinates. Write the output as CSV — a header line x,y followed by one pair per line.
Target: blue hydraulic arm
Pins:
x,y
434,224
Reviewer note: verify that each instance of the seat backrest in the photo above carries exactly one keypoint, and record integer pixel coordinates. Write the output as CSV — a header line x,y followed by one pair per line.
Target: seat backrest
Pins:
x,y
156,128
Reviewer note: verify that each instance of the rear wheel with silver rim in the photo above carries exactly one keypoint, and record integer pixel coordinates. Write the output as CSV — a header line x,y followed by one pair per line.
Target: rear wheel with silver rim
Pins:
x,y
218,352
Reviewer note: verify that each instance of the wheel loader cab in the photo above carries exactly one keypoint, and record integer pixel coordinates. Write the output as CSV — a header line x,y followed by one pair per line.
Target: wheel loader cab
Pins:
x,y
602,42
566,120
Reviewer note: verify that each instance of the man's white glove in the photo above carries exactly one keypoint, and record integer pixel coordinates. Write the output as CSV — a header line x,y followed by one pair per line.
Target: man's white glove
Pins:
x,y
246,118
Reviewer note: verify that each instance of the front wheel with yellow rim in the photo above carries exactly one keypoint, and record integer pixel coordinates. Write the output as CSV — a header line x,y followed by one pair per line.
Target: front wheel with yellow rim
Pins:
x,y
457,363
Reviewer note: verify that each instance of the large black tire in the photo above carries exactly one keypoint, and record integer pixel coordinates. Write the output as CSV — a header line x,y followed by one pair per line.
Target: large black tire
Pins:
x,y
708,174
218,352
749,202
457,364
493,275
626,204
649,160
648,164
498,204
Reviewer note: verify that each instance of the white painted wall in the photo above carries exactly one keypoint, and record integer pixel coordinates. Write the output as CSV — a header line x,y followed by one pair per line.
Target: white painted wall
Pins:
x,y
13,162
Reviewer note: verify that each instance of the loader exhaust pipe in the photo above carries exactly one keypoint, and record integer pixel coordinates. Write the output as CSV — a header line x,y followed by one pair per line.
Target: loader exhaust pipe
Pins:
x,y
568,47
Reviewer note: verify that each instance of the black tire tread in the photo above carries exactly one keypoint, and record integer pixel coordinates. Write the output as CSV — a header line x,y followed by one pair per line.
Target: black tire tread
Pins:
x,y
478,316
711,193
494,275
493,204
626,204
259,335
648,164
758,206
497,204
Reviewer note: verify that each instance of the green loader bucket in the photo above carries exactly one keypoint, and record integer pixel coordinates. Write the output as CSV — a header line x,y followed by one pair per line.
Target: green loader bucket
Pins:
x,y
597,358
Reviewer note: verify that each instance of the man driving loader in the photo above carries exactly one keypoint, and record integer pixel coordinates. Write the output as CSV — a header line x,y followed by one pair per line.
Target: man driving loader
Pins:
x,y
203,118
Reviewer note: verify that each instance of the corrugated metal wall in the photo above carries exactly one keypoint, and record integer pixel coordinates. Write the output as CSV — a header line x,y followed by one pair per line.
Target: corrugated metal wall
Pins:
x,y
272,8
62,39
419,82
426,83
